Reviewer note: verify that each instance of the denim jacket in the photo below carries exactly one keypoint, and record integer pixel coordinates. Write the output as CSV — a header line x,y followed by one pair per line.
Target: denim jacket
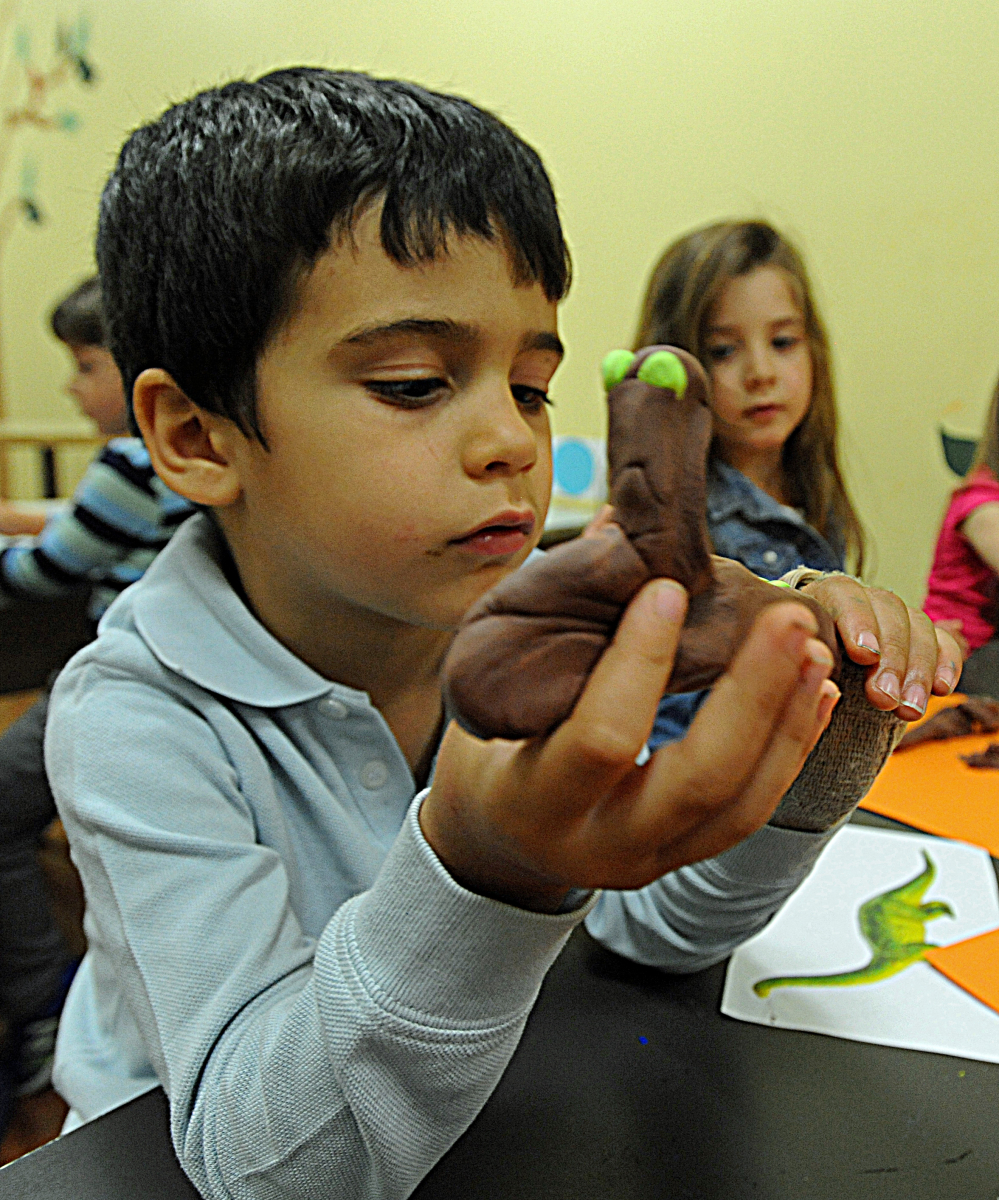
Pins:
x,y
769,538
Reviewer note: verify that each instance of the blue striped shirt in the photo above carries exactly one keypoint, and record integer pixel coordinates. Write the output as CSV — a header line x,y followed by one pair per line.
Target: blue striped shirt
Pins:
x,y
121,517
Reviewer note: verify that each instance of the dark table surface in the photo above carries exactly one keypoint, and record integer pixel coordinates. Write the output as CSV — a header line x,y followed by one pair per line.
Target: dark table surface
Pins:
x,y
38,636
630,1085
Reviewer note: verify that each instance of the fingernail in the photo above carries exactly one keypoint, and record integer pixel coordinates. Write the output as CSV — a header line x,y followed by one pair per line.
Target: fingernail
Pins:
x,y
818,653
915,697
828,699
669,599
887,682
869,642
803,619
948,677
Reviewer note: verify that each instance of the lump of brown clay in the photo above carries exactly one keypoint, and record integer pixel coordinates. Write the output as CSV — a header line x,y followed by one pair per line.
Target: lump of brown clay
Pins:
x,y
975,714
989,757
523,653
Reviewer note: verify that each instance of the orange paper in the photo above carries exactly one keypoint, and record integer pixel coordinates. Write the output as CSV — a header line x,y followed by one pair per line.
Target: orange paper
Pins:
x,y
930,788
972,965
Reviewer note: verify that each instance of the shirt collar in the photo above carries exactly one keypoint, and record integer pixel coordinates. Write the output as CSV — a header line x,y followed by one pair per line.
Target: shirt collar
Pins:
x,y
190,617
730,492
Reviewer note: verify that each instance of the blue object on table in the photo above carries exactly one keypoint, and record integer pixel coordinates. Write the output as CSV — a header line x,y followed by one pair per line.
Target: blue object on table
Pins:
x,y
574,466
959,452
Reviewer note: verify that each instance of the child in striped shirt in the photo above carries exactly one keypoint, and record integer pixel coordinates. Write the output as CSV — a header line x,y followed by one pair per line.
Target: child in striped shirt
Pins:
x,y
121,515
120,518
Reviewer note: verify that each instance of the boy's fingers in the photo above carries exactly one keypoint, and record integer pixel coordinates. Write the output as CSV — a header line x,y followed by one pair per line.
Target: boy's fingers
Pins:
x,y
613,717
809,713
691,781
595,805
603,518
884,687
794,737
949,662
878,628
848,603
920,672
736,722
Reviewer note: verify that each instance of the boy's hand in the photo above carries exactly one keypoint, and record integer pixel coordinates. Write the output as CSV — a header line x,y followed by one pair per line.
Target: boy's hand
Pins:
x,y
955,628
909,657
526,821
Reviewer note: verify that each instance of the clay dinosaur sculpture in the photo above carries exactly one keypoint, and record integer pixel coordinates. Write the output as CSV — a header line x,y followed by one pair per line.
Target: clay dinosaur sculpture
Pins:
x,y
524,651
893,925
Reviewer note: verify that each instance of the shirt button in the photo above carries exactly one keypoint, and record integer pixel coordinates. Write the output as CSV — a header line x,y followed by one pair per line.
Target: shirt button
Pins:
x,y
330,706
374,774
770,556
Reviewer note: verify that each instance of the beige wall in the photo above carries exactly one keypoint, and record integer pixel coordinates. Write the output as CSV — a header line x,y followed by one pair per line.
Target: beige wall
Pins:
x,y
868,130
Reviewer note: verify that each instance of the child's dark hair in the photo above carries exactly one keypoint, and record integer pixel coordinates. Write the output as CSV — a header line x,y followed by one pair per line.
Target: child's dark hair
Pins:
x,y
685,286
215,210
78,319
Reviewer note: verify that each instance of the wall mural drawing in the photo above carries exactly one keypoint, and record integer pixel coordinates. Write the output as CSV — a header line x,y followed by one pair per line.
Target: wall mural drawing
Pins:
x,y
30,94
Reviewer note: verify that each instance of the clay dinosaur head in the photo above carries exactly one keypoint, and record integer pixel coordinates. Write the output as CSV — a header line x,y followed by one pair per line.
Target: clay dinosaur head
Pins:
x,y
657,448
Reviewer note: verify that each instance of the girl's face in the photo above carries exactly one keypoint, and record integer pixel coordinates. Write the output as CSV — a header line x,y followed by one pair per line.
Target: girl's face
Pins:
x,y
760,365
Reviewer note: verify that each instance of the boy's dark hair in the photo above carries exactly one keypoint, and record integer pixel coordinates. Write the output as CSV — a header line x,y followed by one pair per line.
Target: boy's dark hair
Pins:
x,y
215,210
78,319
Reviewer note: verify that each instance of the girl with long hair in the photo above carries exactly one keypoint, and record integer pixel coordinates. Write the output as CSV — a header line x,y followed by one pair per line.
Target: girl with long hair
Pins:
x,y
736,294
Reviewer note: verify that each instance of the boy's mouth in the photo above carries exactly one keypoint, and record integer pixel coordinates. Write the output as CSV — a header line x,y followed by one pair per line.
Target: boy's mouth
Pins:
x,y
506,533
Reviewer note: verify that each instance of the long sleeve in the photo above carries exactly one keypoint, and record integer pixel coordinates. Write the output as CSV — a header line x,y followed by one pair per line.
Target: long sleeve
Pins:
x,y
342,1065
696,916
367,1072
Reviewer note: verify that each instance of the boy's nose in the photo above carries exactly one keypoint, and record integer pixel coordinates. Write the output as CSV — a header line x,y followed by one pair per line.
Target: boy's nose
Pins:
x,y
501,442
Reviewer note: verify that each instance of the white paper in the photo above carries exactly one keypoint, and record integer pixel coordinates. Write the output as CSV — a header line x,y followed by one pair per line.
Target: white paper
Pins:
x,y
817,933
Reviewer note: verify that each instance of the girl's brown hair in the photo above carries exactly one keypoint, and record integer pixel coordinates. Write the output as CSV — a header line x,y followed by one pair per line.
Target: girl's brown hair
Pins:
x,y
686,285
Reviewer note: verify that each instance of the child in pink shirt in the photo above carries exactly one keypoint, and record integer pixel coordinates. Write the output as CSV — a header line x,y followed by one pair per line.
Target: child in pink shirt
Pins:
x,y
963,588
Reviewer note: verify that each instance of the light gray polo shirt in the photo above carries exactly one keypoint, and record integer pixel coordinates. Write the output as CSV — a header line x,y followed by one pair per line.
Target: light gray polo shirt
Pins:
x,y
271,938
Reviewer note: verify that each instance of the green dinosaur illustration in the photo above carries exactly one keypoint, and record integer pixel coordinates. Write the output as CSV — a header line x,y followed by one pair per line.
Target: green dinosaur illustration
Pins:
x,y
893,925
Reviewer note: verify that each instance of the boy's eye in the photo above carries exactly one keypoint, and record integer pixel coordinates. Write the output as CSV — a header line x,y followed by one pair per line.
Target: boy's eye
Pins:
x,y
531,398
721,352
408,393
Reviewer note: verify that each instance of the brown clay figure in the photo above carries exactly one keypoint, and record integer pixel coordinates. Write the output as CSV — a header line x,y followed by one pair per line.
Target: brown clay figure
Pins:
x,y
975,714
523,652
989,757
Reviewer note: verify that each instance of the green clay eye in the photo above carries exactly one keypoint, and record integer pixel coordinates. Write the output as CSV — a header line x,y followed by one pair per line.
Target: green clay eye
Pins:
x,y
664,370
615,366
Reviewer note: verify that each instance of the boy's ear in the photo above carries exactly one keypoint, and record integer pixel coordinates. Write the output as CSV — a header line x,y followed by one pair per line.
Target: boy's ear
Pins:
x,y
192,450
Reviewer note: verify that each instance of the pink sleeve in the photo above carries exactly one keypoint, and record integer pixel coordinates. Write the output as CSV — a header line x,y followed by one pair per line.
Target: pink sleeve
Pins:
x,y
984,490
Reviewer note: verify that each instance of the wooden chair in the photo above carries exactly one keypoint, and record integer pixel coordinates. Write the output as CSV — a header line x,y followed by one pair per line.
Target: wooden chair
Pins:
x,y
47,439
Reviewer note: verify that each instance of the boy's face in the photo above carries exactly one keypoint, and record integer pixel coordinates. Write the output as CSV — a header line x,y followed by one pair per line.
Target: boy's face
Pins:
x,y
409,460
96,387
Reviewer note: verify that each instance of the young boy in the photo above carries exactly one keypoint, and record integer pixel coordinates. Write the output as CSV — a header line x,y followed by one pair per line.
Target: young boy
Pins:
x,y
120,518
121,515
334,300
